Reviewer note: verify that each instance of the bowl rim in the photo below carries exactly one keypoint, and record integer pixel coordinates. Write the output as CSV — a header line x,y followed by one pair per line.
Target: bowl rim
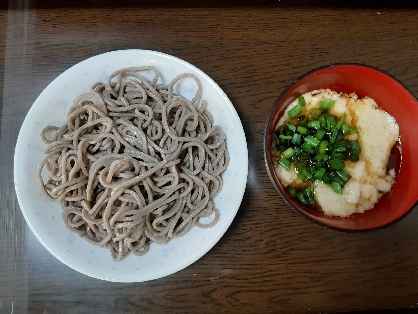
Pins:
x,y
271,176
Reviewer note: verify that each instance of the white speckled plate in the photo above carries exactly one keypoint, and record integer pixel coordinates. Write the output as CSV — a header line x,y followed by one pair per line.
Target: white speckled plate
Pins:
x,y
44,217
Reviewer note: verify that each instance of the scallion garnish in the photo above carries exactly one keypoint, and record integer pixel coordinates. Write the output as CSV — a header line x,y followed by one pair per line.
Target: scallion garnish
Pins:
x,y
302,130
336,164
294,112
321,119
326,104
307,147
319,174
302,101
337,187
323,147
330,121
314,142
296,139
291,126
345,176
284,162
288,152
337,128
320,134
314,124
293,191
314,113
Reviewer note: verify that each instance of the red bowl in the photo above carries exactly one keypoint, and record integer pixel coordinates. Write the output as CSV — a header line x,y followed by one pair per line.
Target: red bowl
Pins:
x,y
391,96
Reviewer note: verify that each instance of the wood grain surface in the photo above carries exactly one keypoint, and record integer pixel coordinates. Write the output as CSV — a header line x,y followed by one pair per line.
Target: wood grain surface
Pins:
x,y
271,259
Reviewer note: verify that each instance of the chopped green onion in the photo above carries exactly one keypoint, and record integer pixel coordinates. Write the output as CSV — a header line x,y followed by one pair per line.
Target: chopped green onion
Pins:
x,y
299,166
340,137
348,129
323,147
354,155
343,175
321,119
337,187
302,101
319,174
312,141
341,121
304,175
291,126
335,178
309,193
284,162
326,104
308,148
302,198
304,156
288,152
314,113
330,120
314,124
294,112
316,145
296,139
326,179
302,172
336,164
302,129
353,129
320,134
337,155
334,136
340,147
337,128
345,128
293,192
354,145
318,157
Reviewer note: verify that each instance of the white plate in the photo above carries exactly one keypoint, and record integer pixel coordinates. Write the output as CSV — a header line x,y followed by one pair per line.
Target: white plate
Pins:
x,y
44,217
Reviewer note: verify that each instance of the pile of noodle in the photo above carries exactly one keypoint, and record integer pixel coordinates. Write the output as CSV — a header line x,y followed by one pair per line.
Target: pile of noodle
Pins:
x,y
135,163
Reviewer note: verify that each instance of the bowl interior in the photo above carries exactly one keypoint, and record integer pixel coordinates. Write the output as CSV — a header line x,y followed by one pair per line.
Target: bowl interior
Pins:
x,y
392,97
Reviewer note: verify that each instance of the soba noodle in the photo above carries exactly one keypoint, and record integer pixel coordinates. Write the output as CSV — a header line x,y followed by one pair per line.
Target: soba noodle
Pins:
x,y
135,163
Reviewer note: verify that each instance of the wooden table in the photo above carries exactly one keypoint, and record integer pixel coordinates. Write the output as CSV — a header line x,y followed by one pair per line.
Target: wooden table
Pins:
x,y
271,259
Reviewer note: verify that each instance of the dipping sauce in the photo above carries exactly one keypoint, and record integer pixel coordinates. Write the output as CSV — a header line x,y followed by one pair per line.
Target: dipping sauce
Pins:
x,y
369,176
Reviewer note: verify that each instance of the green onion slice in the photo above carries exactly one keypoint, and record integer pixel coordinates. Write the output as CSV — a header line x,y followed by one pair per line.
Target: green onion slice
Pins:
x,y
345,176
337,187
317,146
319,174
302,101
326,104
314,124
291,126
294,112
336,164
302,129
284,162
288,152
312,141
323,147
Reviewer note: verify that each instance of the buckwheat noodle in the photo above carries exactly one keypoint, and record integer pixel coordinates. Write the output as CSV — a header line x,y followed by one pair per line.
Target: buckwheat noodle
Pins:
x,y
135,163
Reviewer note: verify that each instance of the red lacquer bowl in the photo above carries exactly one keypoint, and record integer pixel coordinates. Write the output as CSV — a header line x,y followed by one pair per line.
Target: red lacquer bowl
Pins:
x,y
392,97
